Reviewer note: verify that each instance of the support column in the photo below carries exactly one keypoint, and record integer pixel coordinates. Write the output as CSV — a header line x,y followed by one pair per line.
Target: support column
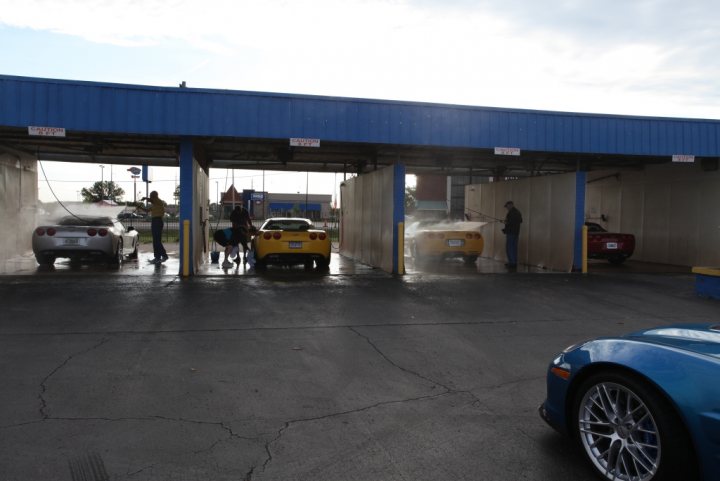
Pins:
x,y
399,219
580,183
187,211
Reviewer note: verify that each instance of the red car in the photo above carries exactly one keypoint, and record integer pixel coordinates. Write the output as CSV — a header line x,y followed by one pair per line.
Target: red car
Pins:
x,y
606,245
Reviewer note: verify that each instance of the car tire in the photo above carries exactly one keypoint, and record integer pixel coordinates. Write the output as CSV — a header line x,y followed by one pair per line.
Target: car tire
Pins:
x,y
134,253
628,430
45,260
260,265
415,252
322,263
617,260
116,259
470,259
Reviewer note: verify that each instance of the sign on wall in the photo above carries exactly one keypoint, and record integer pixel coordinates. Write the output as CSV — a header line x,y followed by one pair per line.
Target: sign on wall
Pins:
x,y
507,151
683,158
47,131
301,142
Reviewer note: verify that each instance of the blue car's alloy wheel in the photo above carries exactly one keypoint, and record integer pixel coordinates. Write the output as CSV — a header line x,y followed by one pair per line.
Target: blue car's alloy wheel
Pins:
x,y
629,432
619,433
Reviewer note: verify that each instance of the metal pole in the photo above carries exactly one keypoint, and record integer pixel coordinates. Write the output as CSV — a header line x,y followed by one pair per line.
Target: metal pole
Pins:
x,y
307,182
264,194
102,181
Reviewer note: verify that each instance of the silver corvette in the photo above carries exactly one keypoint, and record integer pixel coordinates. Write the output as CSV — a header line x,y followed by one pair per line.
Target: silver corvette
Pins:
x,y
85,237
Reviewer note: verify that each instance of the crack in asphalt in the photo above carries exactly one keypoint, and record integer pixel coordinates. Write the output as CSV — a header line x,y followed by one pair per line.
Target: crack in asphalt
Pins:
x,y
43,383
316,327
128,474
292,422
447,391
396,365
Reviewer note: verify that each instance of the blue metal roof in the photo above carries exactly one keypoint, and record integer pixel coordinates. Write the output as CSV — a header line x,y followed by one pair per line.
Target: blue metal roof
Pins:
x,y
133,109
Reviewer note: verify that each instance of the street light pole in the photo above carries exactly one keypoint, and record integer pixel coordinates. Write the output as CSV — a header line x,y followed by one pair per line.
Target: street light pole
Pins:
x,y
102,182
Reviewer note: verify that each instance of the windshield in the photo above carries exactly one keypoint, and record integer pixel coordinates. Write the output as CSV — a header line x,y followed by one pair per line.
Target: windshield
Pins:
x,y
86,221
287,224
593,227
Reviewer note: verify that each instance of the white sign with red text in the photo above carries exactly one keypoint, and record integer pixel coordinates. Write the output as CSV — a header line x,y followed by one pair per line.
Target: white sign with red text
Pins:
x,y
507,151
300,142
47,131
683,158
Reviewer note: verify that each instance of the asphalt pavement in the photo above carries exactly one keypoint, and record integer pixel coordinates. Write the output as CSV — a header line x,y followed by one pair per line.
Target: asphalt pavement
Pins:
x,y
303,375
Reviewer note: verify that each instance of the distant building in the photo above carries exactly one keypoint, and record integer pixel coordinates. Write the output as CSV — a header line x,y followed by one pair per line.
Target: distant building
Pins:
x,y
262,205
312,206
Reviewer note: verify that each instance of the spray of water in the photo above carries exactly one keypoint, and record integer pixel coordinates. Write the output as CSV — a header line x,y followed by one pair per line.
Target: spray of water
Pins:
x,y
413,227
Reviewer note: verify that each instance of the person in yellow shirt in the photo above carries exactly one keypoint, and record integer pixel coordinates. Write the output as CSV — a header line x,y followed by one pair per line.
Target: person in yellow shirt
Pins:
x,y
157,212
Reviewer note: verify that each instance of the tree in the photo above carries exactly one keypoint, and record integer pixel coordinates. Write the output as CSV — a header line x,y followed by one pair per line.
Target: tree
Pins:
x,y
410,199
176,194
107,190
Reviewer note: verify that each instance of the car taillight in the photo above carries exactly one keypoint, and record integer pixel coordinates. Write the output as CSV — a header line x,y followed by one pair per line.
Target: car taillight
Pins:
x,y
468,236
102,232
431,235
322,236
51,231
267,235
92,232
276,235
477,235
313,236
40,231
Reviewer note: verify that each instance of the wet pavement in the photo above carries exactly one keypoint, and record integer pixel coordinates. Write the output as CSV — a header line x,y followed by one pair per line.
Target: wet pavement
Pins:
x,y
349,374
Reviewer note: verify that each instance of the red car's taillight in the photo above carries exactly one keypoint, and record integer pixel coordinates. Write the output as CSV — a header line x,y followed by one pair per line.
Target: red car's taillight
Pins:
x,y
40,231
92,232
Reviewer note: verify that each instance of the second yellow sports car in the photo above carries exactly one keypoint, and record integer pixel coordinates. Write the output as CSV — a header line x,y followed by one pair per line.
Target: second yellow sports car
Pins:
x,y
291,240
460,239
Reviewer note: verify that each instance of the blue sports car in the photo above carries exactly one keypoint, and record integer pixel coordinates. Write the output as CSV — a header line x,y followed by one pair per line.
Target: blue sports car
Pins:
x,y
644,406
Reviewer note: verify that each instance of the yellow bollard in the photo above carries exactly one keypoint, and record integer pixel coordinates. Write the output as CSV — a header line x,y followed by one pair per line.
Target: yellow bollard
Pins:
x,y
584,249
186,248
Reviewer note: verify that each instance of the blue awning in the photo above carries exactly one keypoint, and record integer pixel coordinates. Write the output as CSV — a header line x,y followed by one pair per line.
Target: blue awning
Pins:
x,y
289,206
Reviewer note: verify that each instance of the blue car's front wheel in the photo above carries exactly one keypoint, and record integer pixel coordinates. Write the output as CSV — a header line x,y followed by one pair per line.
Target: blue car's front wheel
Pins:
x,y
629,432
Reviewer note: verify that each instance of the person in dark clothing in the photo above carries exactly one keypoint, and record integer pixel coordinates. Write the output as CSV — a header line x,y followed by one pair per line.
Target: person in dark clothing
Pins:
x,y
228,238
513,219
240,218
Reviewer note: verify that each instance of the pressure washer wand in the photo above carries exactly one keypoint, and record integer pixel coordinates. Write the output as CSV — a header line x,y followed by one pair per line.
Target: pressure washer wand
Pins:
x,y
485,215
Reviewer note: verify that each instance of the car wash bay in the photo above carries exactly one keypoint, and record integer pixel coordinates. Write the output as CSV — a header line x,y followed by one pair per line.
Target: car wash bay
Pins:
x,y
544,160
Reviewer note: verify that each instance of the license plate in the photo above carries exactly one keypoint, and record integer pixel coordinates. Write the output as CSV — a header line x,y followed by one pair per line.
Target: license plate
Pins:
x,y
611,245
71,241
455,242
295,244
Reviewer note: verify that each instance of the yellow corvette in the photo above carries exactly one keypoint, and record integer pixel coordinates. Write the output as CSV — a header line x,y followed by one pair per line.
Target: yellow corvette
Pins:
x,y
291,240
460,239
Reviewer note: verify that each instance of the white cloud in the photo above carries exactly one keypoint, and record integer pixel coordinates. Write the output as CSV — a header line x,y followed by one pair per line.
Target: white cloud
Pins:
x,y
643,57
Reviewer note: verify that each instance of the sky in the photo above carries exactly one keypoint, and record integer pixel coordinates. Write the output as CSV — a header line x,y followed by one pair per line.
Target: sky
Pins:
x,y
628,57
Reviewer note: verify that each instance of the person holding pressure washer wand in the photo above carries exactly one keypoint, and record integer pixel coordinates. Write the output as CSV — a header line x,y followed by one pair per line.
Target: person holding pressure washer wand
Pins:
x,y
157,212
512,222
